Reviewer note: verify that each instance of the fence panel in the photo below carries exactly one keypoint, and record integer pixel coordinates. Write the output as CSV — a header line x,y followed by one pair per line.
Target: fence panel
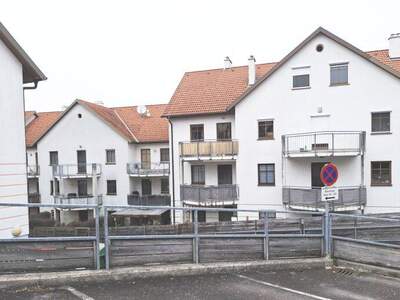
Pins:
x,y
46,255
285,247
154,251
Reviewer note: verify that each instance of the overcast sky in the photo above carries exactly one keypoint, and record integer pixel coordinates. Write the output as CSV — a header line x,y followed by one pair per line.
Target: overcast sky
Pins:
x,y
135,52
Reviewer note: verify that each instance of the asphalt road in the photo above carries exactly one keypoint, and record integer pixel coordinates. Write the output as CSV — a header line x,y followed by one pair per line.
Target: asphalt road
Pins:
x,y
257,284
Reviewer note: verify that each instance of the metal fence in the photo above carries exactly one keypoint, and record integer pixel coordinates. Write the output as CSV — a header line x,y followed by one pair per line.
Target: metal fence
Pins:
x,y
365,239
22,254
204,243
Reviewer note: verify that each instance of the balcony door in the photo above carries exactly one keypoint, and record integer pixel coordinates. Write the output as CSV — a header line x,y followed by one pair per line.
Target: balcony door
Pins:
x,y
224,174
81,159
82,188
145,158
146,187
315,174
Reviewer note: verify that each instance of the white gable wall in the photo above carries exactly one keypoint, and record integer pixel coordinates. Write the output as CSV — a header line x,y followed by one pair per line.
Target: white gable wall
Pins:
x,y
13,182
349,108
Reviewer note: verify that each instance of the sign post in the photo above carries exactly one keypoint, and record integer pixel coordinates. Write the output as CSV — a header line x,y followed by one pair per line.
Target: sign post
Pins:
x,y
329,175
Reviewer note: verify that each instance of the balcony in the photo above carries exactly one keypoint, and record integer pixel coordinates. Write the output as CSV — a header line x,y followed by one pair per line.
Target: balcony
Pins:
x,y
78,200
148,169
32,171
77,170
211,195
149,200
323,144
303,198
33,198
209,150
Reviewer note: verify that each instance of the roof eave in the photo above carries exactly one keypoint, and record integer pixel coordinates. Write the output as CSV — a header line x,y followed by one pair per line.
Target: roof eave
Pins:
x,y
31,72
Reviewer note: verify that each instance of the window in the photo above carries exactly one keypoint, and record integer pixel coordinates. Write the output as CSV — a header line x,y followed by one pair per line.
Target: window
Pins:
x,y
164,155
111,187
301,81
339,74
83,215
164,186
266,174
381,173
57,182
53,158
198,175
224,131
110,157
380,122
145,158
266,130
197,132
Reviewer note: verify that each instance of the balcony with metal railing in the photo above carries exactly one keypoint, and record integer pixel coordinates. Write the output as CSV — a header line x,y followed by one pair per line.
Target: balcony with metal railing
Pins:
x,y
32,171
75,199
306,198
210,195
160,169
33,197
323,144
77,170
149,200
209,149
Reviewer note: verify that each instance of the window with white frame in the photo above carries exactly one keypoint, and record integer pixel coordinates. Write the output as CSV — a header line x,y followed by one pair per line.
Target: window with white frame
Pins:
x,y
110,157
301,81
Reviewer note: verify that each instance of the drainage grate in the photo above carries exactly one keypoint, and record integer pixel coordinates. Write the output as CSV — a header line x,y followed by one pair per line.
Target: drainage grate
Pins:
x,y
344,272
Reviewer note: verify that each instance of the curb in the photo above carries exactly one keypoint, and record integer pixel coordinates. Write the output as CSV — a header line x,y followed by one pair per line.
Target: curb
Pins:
x,y
62,278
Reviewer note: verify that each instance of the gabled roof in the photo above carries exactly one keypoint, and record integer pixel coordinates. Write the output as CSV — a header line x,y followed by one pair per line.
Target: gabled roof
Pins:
x,y
39,125
219,90
210,91
386,67
126,121
31,72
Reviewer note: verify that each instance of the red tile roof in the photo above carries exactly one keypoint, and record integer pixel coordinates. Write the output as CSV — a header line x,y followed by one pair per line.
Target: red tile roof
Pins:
x,y
214,91
125,120
211,91
383,56
36,128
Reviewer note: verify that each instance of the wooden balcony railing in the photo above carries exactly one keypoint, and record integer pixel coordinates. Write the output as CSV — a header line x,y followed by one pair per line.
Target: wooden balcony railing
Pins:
x,y
148,169
149,200
211,193
212,148
324,143
350,198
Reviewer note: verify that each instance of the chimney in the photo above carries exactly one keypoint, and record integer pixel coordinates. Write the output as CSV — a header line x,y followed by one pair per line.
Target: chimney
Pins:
x,y
252,70
227,62
394,46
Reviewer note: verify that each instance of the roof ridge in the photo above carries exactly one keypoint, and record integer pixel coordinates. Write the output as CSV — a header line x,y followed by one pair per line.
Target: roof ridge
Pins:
x,y
235,67
126,106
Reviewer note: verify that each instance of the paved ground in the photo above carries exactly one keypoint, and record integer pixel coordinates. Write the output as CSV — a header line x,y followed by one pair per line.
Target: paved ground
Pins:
x,y
257,284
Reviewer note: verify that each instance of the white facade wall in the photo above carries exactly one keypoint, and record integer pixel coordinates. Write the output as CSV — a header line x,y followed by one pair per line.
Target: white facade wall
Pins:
x,y
348,108
13,182
93,135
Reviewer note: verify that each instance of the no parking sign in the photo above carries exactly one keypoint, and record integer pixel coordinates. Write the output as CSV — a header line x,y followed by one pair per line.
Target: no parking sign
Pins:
x,y
329,175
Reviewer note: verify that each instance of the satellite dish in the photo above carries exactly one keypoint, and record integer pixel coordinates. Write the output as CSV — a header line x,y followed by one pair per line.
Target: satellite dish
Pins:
x,y
142,109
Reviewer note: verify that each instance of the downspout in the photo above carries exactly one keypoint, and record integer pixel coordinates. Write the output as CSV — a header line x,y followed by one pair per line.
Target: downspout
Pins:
x,y
35,85
172,168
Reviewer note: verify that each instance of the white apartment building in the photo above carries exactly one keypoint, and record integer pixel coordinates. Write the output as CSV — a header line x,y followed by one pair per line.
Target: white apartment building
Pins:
x,y
92,154
257,136
16,70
